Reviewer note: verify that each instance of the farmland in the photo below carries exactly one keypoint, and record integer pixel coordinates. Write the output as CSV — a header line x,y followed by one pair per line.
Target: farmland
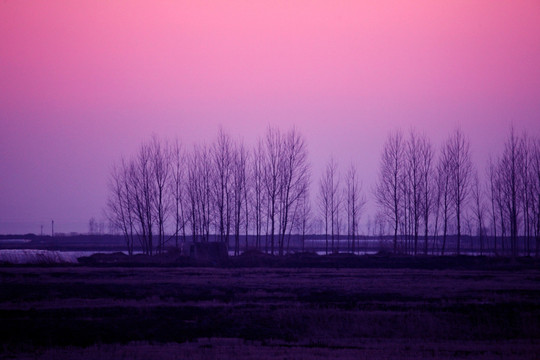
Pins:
x,y
239,312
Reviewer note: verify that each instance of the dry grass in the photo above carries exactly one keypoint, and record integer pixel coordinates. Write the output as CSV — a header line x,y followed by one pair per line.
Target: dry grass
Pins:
x,y
218,348
268,313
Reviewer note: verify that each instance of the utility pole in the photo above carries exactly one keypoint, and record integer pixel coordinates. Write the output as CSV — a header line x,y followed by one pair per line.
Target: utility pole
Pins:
x,y
41,230
52,228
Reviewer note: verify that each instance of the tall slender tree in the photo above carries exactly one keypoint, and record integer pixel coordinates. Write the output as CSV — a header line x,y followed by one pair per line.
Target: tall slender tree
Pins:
x,y
329,201
444,186
479,210
295,177
458,148
161,173
426,185
387,192
511,182
257,183
355,201
222,150
272,179
177,190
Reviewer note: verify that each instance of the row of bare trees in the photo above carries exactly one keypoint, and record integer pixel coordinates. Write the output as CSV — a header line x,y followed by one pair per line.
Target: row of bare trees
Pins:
x,y
428,200
421,193
165,193
340,206
514,197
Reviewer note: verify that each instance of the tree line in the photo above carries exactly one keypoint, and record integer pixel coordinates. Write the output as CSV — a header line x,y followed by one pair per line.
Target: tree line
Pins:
x,y
425,195
222,190
428,199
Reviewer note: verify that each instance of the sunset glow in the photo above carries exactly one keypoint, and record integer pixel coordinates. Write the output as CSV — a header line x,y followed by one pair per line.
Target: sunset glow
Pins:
x,y
84,82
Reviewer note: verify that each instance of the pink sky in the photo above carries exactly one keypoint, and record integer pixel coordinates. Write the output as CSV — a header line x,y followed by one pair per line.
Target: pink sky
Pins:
x,y
84,82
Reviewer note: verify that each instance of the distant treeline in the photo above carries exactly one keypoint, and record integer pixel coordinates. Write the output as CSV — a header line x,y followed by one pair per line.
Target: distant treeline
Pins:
x,y
225,191
422,191
223,188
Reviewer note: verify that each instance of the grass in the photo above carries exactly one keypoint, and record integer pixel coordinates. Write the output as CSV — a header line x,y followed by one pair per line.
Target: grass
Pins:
x,y
288,312
219,348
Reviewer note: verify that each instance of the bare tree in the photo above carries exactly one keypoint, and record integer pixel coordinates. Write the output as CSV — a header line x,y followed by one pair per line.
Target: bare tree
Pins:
x,y
272,178
478,209
143,195
119,204
247,196
412,184
527,193
295,175
329,201
415,185
222,162
536,191
444,173
192,193
387,192
258,199
239,163
437,202
510,164
325,189
207,200
427,190
338,218
354,205
161,172
501,205
199,192
305,217
492,191
177,190
461,174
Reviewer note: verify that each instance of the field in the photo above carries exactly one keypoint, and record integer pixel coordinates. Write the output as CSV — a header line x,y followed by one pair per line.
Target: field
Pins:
x,y
256,313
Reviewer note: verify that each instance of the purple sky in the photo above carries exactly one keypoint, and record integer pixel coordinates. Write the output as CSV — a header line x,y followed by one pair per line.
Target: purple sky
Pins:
x,y
84,82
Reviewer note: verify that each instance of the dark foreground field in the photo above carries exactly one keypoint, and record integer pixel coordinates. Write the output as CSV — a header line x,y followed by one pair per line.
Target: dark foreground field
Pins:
x,y
258,313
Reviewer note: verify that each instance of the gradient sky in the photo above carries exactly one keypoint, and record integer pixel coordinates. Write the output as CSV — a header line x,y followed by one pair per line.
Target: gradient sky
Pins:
x,y
84,82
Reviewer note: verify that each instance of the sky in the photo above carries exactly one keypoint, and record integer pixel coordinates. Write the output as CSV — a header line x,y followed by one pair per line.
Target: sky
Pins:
x,y
83,83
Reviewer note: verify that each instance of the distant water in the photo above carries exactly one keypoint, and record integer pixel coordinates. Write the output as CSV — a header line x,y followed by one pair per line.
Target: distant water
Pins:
x,y
348,252
33,256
